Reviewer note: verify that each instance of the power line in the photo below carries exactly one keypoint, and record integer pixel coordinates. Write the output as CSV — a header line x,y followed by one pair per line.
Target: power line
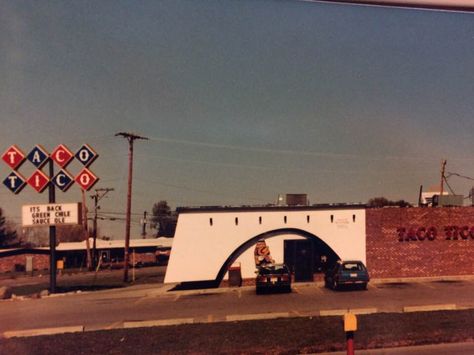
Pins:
x,y
294,152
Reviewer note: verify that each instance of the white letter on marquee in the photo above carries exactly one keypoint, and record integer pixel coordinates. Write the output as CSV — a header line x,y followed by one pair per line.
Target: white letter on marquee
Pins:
x,y
12,156
13,181
59,180
58,158
36,157
84,155
85,179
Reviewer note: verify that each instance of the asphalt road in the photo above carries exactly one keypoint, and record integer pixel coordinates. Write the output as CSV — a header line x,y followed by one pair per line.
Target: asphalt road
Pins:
x,y
150,302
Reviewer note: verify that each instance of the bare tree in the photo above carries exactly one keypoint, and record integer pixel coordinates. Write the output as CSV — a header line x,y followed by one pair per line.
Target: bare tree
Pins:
x,y
8,236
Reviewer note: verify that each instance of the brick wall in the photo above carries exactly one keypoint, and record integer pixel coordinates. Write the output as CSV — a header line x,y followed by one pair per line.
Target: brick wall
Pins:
x,y
7,264
420,242
146,258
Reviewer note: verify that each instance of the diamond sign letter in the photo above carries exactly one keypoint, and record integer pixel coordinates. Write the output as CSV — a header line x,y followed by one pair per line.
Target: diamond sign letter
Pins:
x,y
14,182
62,155
38,156
86,155
38,180
14,157
86,179
63,180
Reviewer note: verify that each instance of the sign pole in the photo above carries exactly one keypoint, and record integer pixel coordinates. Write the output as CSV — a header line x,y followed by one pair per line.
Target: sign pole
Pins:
x,y
52,234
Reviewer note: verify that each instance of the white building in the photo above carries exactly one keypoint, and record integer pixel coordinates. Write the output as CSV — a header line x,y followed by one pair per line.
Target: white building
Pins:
x,y
209,240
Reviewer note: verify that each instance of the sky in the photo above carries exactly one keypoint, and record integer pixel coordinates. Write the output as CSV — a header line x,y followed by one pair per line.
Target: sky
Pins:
x,y
241,100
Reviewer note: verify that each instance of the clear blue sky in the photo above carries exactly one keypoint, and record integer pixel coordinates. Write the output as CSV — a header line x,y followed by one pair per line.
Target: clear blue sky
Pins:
x,y
241,100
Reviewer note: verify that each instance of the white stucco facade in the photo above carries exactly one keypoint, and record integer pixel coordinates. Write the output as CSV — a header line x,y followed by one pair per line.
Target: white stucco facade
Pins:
x,y
205,239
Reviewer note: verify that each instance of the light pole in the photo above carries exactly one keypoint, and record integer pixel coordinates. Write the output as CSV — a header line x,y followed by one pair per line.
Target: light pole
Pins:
x,y
131,138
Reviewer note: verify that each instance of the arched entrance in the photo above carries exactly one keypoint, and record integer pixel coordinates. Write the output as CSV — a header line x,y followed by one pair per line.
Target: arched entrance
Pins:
x,y
303,256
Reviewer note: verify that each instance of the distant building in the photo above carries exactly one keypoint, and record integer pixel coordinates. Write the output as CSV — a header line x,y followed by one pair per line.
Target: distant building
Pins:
x,y
74,254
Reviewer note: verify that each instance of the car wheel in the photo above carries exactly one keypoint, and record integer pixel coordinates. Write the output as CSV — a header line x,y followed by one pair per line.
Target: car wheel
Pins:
x,y
364,286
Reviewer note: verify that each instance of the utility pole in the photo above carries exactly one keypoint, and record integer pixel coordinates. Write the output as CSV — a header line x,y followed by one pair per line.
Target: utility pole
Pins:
x,y
441,190
86,231
131,138
52,235
144,222
99,194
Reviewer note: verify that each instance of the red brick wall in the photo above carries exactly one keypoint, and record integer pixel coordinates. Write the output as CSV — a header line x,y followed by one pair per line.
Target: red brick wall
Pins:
x,y
144,257
40,262
393,253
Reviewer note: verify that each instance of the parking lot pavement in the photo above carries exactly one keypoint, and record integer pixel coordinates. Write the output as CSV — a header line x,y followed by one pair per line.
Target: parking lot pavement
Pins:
x,y
156,303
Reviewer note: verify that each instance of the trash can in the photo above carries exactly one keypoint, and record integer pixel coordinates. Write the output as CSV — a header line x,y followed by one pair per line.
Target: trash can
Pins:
x,y
235,275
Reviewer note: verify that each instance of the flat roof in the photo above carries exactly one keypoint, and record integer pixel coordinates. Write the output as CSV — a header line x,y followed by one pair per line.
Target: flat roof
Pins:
x,y
266,208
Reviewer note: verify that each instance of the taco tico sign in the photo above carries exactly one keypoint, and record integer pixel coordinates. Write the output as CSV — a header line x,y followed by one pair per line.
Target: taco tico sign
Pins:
x,y
51,214
14,157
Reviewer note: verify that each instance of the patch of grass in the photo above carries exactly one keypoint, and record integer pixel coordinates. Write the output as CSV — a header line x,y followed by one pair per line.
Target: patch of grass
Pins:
x,y
279,336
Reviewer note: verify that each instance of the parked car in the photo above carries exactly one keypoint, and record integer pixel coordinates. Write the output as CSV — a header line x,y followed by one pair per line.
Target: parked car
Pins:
x,y
351,272
273,277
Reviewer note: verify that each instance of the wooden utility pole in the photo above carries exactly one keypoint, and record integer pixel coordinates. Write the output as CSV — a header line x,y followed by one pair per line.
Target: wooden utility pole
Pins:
x,y
131,138
99,194
144,223
441,189
86,231
52,235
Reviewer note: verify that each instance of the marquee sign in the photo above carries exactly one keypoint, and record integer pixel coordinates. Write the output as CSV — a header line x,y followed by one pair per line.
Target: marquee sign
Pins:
x,y
51,214
38,156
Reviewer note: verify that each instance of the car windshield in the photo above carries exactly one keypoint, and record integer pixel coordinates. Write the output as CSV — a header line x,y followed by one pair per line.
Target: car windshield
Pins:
x,y
273,269
352,267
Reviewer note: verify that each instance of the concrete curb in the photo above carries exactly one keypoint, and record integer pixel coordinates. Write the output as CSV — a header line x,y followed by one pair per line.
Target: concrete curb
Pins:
x,y
157,323
341,312
257,316
429,308
43,331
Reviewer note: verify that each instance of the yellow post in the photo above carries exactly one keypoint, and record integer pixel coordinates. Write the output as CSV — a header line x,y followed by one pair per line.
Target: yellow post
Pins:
x,y
350,326
60,266
350,322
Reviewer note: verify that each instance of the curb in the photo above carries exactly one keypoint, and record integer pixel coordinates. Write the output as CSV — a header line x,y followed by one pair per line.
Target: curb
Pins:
x,y
341,312
157,323
429,308
257,316
43,331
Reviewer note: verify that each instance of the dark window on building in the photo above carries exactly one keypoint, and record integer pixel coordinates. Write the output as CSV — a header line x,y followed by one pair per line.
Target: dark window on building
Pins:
x,y
236,221
307,219
260,220
332,218
210,221
353,218
285,219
